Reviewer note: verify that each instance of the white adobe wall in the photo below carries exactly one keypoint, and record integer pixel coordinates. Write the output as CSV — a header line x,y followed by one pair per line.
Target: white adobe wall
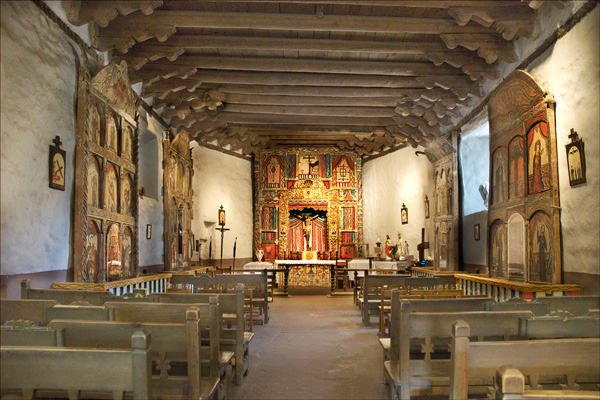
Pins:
x,y
39,83
570,71
389,181
221,179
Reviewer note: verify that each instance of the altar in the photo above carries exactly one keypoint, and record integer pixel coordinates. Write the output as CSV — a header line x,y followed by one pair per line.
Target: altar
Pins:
x,y
307,273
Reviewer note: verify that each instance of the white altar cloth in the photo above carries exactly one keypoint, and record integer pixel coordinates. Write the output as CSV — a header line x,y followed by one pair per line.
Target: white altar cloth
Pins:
x,y
261,265
364,264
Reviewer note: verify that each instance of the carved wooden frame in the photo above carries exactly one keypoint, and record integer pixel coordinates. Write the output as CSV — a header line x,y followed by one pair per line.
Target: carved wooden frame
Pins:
x,y
108,93
515,107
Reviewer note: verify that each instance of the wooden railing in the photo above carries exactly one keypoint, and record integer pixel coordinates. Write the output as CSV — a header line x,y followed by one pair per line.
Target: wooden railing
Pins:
x,y
150,283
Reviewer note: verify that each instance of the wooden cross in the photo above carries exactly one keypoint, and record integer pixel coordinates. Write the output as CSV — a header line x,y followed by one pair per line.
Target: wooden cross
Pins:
x,y
422,246
57,141
573,136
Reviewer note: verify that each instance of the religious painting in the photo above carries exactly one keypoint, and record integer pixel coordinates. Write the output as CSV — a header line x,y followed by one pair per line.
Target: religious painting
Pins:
x,y
575,160
93,182
94,122
440,190
269,218
538,160
273,172
126,254
111,188
308,166
172,172
148,231
497,254
270,251
186,181
476,232
180,177
343,172
57,165
516,168
113,253
540,250
404,214
499,183
127,142
426,207
112,131
126,195
347,251
516,246
221,216
92,249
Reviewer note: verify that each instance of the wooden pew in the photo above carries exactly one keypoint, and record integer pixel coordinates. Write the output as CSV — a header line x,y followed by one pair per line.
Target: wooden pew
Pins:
x,y
555,326
372,287
74,370
429,376
236,339
576,305
27,310
257,282
62,296
474,363
195,343
510,385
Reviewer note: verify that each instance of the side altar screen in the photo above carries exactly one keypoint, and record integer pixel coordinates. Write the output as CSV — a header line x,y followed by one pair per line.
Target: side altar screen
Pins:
x,y
524,218
307,199
106,180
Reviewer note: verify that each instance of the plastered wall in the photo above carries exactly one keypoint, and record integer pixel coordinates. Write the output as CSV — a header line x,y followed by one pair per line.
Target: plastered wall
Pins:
x,y
151,205
39,76
569,70
389,181
221,179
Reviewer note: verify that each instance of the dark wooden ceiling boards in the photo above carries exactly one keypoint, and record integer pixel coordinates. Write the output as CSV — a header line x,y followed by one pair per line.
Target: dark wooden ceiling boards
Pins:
x,y
360,75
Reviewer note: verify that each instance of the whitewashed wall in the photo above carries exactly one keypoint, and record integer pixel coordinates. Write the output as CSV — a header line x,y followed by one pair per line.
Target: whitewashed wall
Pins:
x,y
474,166
569,70
151,205
221,179
39,83
389,181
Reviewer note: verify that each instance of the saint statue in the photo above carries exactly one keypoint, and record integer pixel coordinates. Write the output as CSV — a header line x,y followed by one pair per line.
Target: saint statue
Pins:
x,y
401,251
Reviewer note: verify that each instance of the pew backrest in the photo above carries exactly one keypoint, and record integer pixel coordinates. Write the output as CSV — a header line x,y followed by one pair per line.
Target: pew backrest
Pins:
x,y
475,361
76,369
516,304
551,326
91,313
29,310
576,305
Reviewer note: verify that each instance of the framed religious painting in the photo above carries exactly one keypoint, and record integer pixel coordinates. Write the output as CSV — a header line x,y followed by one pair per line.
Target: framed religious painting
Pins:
x,y
426,207
404,213
148,231
575,159
57,165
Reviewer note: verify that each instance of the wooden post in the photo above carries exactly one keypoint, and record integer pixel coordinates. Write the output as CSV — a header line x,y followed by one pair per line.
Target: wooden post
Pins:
x,y
239,340
25,286
459,378
193,338
141,365
510,383
404,349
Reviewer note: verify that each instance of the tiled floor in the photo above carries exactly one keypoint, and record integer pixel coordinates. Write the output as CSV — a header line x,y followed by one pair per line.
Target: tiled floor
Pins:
x,y
314,347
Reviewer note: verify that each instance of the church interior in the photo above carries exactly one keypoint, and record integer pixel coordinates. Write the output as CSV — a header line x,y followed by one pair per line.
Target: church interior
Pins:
x,y
313,146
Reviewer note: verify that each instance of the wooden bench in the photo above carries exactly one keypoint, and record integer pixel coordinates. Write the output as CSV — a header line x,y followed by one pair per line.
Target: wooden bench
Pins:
x,y
28,369
28,310
371,288
556,326
257,282
475,363
236,339
431,376
510,385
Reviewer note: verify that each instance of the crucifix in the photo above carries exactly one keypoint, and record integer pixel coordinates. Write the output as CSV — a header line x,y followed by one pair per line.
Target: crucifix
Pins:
x,y
422,246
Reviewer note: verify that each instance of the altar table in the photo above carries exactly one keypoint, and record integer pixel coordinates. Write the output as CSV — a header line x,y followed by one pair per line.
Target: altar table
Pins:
x,y
306,272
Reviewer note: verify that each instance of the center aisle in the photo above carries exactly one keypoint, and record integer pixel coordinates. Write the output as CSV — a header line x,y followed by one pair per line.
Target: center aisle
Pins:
x,y
314,347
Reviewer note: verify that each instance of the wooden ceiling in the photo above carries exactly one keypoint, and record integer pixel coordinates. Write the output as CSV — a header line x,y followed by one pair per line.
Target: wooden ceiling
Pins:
x,y
360,75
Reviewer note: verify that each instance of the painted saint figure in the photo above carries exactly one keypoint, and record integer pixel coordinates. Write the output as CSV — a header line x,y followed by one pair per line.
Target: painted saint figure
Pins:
x,y
538,182
542,253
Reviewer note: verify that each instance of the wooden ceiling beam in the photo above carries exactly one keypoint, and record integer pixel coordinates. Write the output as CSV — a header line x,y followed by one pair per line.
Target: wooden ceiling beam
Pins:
x,y
102,12
305,65
353,112
273,119
461,83
387,3
124,31
231,98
